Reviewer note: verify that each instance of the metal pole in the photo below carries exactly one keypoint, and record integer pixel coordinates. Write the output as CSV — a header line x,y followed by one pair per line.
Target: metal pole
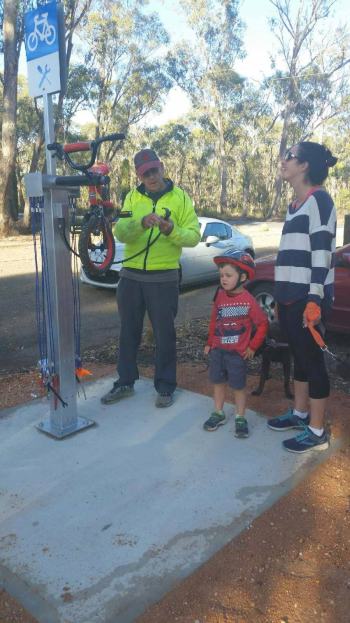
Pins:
x,y
63,420
49,133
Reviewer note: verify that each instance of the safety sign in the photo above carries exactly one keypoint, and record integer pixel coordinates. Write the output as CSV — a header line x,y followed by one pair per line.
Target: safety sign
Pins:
x,y
42,50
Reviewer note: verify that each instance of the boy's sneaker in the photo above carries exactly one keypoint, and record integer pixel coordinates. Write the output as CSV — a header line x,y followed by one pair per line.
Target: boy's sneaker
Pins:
x,y
164,400
287,421
241,427
117,392
216,419
305,441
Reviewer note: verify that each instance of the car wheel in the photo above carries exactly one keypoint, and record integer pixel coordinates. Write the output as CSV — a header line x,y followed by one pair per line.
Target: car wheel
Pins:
x,y
264,294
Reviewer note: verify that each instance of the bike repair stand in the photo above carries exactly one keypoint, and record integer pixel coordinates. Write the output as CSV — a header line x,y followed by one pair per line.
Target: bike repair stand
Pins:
x,y
63,419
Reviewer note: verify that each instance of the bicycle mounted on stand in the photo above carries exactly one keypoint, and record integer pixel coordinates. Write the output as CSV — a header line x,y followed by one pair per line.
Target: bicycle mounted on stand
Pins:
x,y
96,241
96,244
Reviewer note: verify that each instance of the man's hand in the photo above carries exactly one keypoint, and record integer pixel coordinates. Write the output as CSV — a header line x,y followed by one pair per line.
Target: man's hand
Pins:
x,y
249,353
166,226
207,349
150,220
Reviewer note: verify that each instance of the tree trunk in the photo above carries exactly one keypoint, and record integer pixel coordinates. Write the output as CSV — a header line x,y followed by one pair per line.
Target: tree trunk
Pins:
x,y
245,186
8,192
244,211
276,201
37,147
222,168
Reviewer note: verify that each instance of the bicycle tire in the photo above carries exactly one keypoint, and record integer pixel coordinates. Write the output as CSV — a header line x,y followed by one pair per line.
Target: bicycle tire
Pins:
x,y
32,46
86,247
50,36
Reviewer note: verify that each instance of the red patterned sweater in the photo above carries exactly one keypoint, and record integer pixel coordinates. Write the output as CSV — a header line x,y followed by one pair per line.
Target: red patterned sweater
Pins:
x,y
233,318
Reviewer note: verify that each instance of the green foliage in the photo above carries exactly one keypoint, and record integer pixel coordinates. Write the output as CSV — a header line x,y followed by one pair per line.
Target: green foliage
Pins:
x,y
126,79
225,152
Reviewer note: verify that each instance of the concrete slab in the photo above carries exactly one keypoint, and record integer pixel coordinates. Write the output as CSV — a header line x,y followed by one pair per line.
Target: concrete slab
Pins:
x,y
97,526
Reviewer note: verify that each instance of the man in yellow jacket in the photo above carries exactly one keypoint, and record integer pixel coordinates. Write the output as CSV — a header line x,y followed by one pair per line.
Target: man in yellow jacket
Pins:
x,y
162,222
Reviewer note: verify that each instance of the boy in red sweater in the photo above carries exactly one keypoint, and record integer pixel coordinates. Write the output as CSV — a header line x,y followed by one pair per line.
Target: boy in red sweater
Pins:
x,y
230,343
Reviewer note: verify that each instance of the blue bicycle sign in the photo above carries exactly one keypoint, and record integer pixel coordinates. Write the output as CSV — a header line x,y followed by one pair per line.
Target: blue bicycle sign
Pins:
x,y
41,31
44,36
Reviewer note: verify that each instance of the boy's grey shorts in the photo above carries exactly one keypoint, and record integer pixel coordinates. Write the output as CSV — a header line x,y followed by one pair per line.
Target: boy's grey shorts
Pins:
x,y
227,367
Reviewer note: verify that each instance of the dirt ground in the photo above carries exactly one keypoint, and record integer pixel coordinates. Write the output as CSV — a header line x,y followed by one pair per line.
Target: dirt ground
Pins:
x,y
293,563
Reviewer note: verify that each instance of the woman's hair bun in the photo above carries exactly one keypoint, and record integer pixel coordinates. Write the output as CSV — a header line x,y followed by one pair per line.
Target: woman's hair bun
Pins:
x,y
330,159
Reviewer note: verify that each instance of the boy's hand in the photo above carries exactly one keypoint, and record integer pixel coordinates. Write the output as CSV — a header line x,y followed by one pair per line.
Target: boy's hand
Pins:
x,y
249,353
207,349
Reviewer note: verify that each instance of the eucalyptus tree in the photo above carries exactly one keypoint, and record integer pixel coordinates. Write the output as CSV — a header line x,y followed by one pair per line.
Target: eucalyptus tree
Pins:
x,y
251,149
12,37
205,70
312,80
172,142
127,74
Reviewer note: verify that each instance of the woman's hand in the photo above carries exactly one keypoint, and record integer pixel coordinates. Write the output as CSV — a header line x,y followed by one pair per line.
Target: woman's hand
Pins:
x,y
207,349
312,314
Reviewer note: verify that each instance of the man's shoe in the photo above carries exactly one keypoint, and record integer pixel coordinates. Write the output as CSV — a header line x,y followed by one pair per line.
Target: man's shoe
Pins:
x,y
241,427
164,400
216,419
287,421
305,441
117,392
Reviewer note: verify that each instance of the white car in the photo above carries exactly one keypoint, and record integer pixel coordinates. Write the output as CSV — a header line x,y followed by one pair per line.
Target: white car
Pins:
x,y
196,263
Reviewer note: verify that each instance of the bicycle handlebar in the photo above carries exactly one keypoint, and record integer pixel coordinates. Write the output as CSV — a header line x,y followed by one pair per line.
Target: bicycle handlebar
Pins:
x,y
62,151
87,145
73,147
80,180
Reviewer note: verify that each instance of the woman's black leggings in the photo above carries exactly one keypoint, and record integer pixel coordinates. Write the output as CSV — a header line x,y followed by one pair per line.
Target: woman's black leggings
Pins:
x,y
309,363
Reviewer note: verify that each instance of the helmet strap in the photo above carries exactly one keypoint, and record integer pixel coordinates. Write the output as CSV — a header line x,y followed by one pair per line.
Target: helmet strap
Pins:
x,y
240,281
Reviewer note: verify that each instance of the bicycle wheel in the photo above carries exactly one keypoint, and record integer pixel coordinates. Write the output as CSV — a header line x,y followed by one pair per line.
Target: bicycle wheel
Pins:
x,y
50,35
96,245
32,42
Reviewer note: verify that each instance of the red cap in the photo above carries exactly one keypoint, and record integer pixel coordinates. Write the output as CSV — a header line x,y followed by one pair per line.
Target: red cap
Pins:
x,y
146,159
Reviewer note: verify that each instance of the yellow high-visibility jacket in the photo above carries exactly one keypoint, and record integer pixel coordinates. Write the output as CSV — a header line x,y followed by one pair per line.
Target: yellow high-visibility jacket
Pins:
x,y
165,253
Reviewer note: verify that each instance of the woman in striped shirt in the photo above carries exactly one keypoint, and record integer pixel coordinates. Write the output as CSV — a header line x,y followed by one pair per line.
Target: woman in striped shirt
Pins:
x,y
304,278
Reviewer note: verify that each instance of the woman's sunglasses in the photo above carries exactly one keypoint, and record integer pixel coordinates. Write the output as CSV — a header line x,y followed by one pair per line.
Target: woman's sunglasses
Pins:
x,y
290,156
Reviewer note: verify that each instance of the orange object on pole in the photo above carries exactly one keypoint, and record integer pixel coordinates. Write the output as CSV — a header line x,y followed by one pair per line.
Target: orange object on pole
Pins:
x,y
82,372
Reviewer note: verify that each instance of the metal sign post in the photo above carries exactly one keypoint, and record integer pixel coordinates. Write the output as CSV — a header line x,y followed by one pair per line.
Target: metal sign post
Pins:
x,y
43,39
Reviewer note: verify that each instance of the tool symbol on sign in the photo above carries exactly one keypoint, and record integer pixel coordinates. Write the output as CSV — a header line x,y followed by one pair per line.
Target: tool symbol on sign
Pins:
x,y
43,31
44,71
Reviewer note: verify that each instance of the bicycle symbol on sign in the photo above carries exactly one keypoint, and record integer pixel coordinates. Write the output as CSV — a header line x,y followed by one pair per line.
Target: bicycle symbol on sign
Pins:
x,y
43,31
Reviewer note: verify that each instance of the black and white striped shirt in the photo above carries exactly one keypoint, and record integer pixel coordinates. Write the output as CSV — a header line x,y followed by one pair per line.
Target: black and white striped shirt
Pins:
x,y
305,261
